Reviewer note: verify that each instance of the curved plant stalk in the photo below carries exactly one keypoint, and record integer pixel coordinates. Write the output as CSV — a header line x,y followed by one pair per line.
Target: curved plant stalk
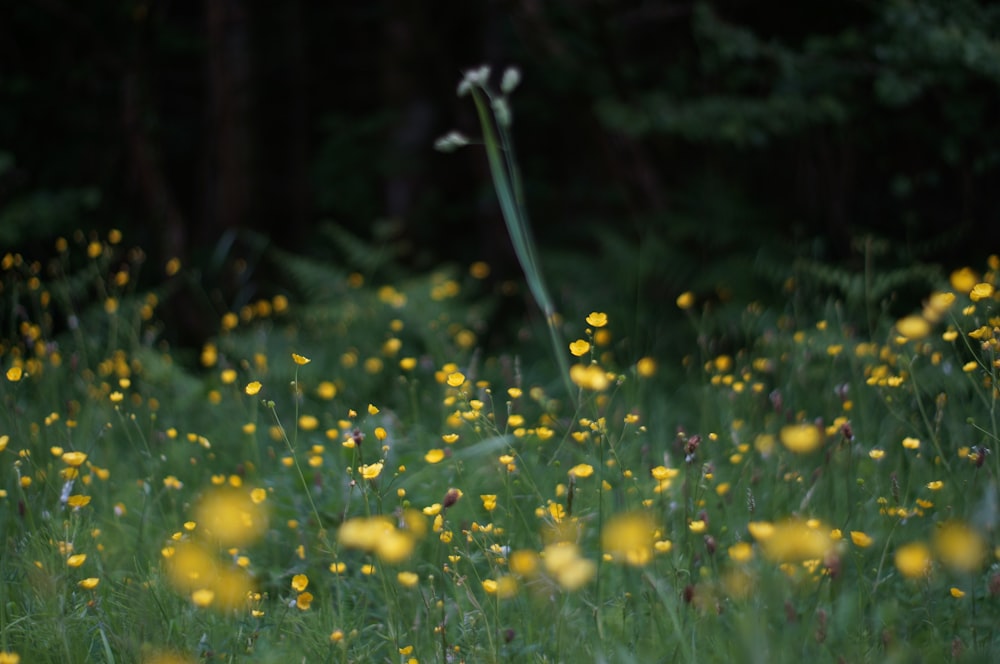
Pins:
x,y
494,119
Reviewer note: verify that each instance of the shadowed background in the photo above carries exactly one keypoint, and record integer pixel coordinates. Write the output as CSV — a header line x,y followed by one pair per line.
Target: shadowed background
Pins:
x,y
665,145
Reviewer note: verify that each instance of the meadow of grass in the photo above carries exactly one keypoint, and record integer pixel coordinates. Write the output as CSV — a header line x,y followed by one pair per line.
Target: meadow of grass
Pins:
x,y
353,478
361,483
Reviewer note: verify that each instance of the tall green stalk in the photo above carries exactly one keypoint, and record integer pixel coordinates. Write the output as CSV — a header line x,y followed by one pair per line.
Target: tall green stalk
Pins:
x,y
495,119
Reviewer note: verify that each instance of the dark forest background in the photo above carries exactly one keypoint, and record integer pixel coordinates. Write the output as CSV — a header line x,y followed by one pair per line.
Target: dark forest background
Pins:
x,y
666,146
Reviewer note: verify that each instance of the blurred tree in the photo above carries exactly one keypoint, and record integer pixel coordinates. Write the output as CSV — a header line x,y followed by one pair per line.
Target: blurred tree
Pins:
x,y
691,144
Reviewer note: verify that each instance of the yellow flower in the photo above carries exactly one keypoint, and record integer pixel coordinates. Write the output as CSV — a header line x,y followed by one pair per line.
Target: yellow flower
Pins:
x,y
230,517
300,359
434,456
503,587
685,300
581,470
876,454
646,367
377,535
252,388
489,501
455,379
911,443
326,390
792,541
304,601
579,347
203,597
963,280
370,472
478,270
861,539
629,538
938,305
77,501
981,291
741,552
76,560
957,593
589,377
89,583
801,438
597,319
300,582
407,579
661,473
913,560
960,547
523,562
913,327
567,567
7,657
935,485
74,459
14,374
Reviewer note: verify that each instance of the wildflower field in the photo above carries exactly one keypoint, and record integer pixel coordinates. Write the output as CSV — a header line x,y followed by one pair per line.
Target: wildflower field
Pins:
x,y
350,473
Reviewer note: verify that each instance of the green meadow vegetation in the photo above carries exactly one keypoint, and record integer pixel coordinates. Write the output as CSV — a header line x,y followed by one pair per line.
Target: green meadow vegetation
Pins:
x,y
347,472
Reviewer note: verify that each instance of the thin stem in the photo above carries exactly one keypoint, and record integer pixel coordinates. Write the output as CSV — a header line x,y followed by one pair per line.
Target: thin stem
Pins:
x,y
507,183
298,469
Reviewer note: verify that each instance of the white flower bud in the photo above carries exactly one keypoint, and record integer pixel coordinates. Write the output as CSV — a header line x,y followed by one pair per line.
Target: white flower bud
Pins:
x,y
511,79
474,77
450,142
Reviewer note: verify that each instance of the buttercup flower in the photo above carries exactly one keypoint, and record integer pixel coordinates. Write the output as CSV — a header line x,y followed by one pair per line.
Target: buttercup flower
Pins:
x,y
913,560
371,471
801,438
300,582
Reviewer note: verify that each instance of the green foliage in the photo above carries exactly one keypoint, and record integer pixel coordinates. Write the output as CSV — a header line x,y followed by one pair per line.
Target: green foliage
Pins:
x,y
532,560
41,214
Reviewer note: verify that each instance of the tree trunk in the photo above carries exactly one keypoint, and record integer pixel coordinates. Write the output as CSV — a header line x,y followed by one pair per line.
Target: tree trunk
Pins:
x,y
229,154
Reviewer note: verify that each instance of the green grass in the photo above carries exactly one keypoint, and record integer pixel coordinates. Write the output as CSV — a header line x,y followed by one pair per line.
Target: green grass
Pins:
x,y
639,560
392,492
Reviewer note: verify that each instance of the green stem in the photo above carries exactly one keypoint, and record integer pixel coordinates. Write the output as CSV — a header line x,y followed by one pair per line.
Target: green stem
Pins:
x,y
298,469
507,182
